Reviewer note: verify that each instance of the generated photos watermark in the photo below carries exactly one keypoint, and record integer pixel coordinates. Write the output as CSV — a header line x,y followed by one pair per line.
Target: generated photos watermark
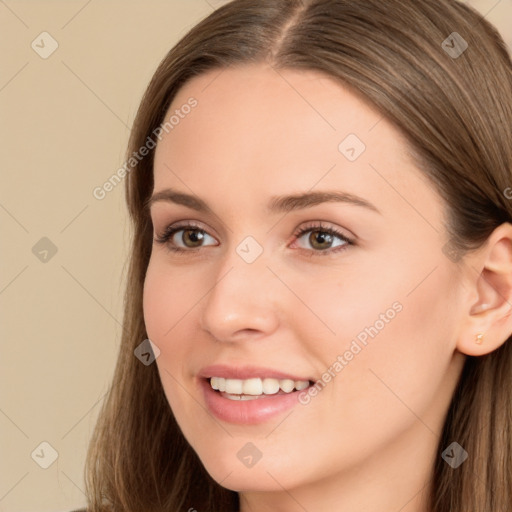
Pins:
x,y
100,192
355,348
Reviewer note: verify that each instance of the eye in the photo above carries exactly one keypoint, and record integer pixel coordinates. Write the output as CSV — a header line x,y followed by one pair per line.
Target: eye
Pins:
x,y
189,237
321,238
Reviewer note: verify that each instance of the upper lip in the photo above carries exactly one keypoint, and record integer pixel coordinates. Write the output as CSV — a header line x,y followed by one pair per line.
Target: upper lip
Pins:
x,y
247,372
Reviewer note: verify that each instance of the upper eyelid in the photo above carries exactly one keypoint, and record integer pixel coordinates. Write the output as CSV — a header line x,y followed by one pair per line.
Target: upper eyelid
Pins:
x,y
183,224
316,224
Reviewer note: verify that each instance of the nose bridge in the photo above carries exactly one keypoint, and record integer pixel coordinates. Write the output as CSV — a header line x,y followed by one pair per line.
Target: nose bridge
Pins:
x,y
242,296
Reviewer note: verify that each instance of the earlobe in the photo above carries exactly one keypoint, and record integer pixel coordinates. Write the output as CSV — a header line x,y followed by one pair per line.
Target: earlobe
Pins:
x,y
489,319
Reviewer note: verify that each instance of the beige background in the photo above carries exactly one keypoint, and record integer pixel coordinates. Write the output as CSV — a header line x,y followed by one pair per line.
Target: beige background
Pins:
x,y
64,127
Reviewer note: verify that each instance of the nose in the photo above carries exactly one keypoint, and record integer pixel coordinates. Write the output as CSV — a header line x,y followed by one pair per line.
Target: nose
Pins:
x,y
243,301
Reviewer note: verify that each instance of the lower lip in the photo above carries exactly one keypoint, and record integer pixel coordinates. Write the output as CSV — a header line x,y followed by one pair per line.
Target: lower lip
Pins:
x,y
247,412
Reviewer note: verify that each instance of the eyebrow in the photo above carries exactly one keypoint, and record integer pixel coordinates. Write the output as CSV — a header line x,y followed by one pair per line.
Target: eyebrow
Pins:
x,y
277,204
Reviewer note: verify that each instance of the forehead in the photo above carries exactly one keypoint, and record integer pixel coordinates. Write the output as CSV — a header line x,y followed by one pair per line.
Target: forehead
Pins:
x,y
280,131
259,104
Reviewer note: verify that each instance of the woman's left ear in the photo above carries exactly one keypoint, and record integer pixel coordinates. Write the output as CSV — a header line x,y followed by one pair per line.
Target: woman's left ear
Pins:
x,y
489,318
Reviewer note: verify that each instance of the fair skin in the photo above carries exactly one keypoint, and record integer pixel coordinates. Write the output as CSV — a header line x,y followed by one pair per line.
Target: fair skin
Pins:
x,y
368,440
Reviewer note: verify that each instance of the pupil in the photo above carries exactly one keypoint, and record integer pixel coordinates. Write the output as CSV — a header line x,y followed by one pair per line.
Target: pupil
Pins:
x,y
321,237
194,235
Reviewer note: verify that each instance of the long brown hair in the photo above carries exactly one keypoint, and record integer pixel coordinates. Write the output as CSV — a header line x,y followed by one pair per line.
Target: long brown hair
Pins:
x,y
456,113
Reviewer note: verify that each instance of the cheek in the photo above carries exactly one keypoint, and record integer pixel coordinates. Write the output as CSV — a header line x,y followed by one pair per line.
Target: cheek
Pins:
x,y
396,343
166,299
403,366
166,304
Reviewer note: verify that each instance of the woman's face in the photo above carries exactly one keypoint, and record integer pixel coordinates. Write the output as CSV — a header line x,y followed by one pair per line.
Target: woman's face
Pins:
x,y
265,287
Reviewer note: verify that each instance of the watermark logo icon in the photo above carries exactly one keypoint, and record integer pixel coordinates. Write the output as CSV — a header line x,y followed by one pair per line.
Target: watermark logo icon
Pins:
x,y
454,455
351,147
249,249
44,455
44,250
454,45
44,45
146,352
249,455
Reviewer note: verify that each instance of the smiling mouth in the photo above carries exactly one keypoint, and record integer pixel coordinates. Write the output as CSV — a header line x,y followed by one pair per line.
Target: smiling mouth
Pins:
x,y
254,388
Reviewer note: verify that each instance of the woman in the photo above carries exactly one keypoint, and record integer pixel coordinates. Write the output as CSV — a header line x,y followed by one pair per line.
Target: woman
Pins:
x,y
322,262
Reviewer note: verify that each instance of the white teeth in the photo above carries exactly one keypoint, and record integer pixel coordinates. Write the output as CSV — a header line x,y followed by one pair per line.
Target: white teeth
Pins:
x,y
238,389
301,384
234,386
252,387
270,386
287,385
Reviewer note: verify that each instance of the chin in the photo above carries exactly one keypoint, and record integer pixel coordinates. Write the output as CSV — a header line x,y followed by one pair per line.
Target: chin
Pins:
x,y
265,475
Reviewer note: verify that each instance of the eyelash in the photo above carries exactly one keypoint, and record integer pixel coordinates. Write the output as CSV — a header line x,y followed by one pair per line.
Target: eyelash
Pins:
x,y
171,230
